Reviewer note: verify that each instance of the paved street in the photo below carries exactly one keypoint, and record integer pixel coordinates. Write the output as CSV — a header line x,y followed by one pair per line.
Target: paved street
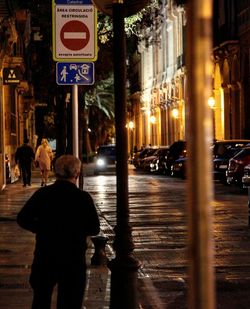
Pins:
x,y
159,220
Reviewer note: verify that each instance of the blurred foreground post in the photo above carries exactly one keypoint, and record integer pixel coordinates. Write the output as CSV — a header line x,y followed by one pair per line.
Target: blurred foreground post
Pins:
x,y
199,138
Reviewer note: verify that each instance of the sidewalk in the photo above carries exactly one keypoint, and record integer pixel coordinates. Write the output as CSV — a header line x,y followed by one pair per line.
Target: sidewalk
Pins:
x,y
16,253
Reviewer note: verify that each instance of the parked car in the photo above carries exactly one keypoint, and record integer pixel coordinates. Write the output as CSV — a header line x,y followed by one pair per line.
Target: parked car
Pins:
x,y
105,160
223,151
140,155
177,150
179,167
236,166
150,160
156,164
246,177
145,162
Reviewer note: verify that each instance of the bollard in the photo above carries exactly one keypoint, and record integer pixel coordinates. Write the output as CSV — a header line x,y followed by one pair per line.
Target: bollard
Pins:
x,y
246,185
99,257
81,179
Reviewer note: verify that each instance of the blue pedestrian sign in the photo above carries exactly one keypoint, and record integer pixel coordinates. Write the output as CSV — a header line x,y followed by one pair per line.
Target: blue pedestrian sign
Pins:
x,y
68,73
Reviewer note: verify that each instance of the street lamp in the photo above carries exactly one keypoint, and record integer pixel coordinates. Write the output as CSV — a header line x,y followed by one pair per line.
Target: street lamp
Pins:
x,y
152,119
175,113
124,266
211,103
131,125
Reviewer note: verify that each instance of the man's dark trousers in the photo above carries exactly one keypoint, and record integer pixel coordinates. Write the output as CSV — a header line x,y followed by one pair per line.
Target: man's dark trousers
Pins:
x,y
26,173
70,280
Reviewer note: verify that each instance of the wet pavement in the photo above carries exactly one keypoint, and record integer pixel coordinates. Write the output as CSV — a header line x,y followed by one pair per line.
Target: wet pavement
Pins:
x,y
16,254
159,221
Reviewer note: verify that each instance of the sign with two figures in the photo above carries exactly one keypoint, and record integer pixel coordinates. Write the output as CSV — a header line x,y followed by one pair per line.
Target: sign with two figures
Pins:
x,y
75,73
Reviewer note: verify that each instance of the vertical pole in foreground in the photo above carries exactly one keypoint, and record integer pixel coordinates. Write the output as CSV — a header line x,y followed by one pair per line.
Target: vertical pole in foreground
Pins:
x,y
75,120
124,267
75,134
199,138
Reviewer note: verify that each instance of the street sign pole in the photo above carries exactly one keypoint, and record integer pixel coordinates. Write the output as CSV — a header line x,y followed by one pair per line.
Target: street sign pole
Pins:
x,y
74,39
75,120
75,132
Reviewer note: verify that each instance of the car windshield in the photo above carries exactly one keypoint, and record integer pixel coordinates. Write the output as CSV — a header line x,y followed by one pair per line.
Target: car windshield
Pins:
x,y
146,152
151,152
162,151
223,149
242,154
106,151
229,153
177,147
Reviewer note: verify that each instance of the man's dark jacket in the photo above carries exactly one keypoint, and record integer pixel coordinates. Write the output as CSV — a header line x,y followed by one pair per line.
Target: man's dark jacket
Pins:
x,y
25,155
62,216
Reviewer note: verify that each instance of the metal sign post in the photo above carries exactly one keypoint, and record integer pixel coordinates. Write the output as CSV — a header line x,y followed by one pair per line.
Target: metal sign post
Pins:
x,y
75,120
74,39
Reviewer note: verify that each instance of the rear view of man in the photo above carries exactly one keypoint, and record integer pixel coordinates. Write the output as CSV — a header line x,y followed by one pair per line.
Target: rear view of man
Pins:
x,y
62,216
24,157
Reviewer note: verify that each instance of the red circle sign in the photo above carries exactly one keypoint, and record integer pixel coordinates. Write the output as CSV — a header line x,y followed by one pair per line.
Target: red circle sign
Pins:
x,y
74,35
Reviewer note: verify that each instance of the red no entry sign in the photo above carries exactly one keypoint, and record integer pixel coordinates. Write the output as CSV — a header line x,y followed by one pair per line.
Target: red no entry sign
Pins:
x,y
74,31
75,35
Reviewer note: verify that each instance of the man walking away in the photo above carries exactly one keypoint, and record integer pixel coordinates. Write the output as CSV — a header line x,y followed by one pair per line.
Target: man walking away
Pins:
x,y
24,157
62,216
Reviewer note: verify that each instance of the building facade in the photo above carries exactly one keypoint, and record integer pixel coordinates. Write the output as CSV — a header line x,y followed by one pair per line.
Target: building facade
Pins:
x,y
158,109
17,120
231,69
158,106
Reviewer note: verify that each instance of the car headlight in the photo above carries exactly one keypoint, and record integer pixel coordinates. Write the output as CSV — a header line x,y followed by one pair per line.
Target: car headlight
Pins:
x,y
100,162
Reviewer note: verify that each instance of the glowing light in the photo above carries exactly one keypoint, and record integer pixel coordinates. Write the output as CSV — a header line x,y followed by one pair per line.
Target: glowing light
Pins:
x,y
131,125
175,113
152,119
211,102
100,162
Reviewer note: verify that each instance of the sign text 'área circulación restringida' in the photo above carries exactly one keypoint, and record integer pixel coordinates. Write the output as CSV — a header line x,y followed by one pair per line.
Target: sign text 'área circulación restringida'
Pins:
x,y
74,31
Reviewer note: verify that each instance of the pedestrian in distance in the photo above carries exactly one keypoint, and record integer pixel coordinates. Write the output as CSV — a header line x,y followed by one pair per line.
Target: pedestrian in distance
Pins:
x,y
24,157
44,157
62,216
